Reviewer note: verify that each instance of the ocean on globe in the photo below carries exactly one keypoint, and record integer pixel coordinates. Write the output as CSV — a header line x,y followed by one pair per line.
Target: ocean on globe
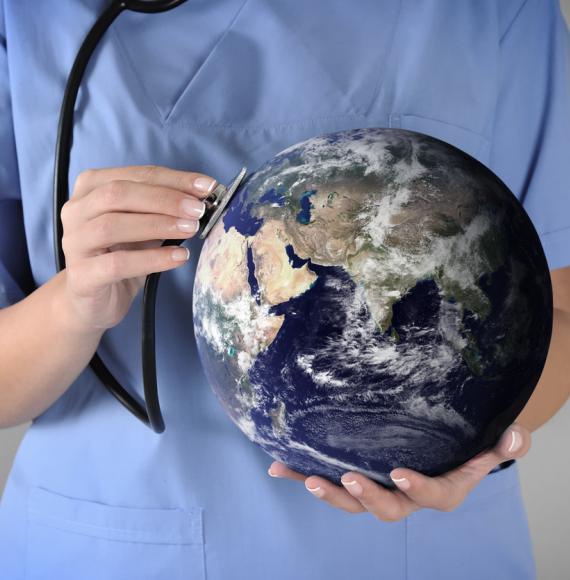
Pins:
x,y
372,299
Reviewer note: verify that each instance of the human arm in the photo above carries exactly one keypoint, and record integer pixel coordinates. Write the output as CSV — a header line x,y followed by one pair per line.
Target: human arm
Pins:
x,y
113,227
42,351
553,389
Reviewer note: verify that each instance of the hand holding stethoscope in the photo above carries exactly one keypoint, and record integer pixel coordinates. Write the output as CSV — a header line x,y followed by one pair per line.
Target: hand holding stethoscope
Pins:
x,y
114,225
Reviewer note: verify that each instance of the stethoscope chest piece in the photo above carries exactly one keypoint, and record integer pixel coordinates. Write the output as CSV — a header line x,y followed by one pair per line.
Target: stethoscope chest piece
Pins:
x,y
217,201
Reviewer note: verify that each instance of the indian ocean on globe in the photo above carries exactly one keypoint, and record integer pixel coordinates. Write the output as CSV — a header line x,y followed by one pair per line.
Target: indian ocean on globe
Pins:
x,y
373,298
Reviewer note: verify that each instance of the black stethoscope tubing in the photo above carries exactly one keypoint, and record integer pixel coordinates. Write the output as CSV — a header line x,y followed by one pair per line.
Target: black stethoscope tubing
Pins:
x,y
148,411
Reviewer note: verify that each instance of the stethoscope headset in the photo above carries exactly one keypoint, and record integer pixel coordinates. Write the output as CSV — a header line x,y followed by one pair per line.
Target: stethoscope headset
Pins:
x,y
148,411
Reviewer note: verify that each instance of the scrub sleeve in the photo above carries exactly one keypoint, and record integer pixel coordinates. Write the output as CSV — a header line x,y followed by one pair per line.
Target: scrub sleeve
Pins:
x,y
531,133
15,275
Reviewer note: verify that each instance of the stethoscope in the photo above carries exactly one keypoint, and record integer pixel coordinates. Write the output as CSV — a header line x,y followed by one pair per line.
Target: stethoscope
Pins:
x,y
148,411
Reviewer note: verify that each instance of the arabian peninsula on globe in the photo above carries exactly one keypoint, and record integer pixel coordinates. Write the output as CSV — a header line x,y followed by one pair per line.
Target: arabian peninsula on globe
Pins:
x,y
370,299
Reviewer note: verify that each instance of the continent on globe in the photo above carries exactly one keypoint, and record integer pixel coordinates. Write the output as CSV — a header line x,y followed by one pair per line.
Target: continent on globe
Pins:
x,y
237,325
277,280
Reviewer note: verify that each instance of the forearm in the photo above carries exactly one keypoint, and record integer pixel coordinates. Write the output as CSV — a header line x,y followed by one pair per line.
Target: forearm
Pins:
x,y
42,351
553,389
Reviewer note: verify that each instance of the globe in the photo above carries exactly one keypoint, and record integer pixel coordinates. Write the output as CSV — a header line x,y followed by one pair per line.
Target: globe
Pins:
x,y
372,299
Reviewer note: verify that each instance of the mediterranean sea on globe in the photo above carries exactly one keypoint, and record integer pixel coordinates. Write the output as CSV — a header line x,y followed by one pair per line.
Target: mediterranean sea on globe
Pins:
x,y
369,299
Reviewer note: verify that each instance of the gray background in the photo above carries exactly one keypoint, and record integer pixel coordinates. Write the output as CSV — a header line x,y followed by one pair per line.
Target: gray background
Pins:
x,y
545,476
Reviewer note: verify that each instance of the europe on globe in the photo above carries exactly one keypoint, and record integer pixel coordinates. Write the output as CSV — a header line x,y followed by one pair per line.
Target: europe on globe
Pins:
x,y
372,299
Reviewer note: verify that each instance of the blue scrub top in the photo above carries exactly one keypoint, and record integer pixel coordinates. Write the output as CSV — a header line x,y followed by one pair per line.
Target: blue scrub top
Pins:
x,y
209,87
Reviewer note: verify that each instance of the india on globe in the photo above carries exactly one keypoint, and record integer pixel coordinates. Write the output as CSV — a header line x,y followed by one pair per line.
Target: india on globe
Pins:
x,y
372,299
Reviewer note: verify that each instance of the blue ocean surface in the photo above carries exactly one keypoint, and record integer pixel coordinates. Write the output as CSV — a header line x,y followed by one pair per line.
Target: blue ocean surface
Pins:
x,y
313,321
273,195
253,284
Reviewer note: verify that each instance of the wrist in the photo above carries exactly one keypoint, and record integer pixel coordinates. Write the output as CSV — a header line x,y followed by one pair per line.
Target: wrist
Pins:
x,y
67,317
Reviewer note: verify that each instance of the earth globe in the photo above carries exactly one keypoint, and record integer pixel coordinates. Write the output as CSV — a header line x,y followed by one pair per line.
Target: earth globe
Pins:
x,y
372,299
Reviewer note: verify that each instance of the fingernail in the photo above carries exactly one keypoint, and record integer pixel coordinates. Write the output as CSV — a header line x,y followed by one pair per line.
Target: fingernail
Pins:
x,y
401,482
206,184
317,491
352,486
187,225
193,207
272,474
180,254
516,441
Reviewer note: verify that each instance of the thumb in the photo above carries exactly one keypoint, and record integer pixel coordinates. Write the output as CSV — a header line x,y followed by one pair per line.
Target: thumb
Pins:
x,y
513,444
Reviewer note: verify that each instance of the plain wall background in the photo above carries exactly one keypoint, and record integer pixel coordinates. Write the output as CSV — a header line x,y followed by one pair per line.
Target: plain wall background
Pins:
x,y
545,476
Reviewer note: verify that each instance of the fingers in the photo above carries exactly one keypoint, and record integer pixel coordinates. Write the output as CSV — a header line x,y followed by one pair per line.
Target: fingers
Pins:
x,y
386,505
116,228
360,494
197,184
333,494
127,196
439,493
91,274
448,491
319,487
415,490
123,212
277,469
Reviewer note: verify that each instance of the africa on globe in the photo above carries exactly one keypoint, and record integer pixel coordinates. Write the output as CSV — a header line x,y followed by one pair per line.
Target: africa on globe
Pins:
x,y
372,299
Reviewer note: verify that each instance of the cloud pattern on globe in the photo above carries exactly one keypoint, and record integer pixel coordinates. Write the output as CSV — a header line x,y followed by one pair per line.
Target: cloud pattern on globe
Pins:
x,y
370,299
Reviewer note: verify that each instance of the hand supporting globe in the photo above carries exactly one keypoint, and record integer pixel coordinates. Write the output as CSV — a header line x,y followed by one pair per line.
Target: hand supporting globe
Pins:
x,y
369,299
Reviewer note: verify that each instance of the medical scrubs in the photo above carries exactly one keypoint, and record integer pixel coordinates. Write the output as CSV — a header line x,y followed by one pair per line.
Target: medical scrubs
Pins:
x,y
209,87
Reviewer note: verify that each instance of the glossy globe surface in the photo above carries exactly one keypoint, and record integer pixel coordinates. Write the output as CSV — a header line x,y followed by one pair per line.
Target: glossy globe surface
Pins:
x,y
370,299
